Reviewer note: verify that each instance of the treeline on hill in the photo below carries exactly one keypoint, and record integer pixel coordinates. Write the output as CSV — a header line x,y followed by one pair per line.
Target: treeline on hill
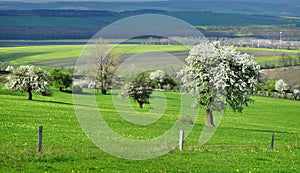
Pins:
x,y
70,13
283,61
59,30
45,33
83,24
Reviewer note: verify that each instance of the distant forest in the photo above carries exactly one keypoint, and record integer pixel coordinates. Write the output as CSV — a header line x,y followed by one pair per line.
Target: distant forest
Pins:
x,y
83,24
71,13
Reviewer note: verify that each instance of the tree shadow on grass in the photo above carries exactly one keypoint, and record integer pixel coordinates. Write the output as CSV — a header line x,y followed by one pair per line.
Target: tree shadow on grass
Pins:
x,y
54,102
63,103
107,94
258,130
76,92
161,97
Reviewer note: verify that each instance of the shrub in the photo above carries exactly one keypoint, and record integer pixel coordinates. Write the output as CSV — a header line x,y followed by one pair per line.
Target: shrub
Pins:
x,y
76,89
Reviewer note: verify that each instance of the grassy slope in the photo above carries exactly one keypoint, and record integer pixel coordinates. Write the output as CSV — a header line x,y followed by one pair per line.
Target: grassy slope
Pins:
x,y
241,144
29,54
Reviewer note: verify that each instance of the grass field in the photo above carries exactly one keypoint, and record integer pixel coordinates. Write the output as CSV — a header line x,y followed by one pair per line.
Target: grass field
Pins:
x,y
66,55
263,55
241,143
51,56
45,54
33,54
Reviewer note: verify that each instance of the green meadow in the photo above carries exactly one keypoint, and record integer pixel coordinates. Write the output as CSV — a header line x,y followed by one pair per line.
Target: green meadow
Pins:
x,y
264,55
66,55
30,54
240,144
57,38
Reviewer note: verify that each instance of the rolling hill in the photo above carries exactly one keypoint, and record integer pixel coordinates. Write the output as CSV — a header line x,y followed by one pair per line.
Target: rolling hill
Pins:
x,y
83,24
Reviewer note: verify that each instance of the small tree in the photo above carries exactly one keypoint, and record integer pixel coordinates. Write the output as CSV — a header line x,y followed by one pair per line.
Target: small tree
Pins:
x,y
61,79
28,79
281,86
296,93
217,75
270,86
139,89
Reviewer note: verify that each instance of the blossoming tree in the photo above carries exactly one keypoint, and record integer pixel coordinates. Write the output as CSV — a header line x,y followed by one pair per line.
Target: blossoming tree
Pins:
x,y
217,76
281,86
28,79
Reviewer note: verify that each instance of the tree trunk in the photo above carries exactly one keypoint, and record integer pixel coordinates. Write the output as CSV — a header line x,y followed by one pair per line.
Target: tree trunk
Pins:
x,y
209,118
141,105
29,93
103,91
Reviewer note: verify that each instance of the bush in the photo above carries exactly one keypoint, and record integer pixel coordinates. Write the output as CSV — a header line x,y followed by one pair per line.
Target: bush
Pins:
x,y
47,93
3,78
61,79
76,89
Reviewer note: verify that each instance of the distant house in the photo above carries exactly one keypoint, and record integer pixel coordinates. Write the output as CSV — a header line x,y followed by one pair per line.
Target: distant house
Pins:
x,y
8,70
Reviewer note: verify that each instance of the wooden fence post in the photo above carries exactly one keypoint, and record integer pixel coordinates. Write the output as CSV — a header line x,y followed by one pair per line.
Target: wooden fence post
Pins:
x,y
272,141
40,140
181,139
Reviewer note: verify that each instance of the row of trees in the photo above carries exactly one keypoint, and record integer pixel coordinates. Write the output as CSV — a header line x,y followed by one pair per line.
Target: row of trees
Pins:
x,y
45,32
270,32
281,87
283,61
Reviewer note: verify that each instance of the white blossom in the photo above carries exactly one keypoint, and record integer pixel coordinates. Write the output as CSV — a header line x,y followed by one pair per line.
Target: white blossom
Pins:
x,y
281,86
158,74
214,72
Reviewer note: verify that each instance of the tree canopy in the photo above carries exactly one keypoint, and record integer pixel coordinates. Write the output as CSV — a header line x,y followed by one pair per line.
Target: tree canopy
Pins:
x,y
103,65
217,75
139,89
281,86
61,79
28,79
